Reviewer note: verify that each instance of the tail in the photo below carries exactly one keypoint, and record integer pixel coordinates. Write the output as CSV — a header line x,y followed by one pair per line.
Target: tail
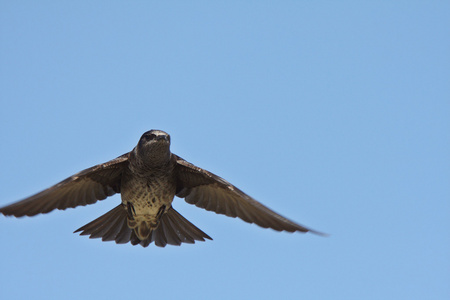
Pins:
x,y
173,229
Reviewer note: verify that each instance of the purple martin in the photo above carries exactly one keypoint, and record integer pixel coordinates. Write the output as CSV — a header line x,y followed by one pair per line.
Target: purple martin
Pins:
x,y
148,178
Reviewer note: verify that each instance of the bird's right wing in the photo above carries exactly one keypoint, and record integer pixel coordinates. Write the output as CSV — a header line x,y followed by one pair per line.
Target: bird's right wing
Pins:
x,y
85,187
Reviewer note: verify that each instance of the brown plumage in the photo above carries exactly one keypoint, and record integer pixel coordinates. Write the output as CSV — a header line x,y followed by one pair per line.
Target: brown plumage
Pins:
x,y
148,178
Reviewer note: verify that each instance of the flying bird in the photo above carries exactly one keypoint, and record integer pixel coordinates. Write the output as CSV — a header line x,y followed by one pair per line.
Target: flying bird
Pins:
x,y
148,178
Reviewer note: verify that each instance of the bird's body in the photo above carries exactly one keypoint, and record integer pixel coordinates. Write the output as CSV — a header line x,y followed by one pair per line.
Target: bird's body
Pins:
x,y
148,179
146,199
147,192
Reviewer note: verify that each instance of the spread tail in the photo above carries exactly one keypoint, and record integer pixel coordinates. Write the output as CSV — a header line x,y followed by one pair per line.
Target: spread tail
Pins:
x,y
173,229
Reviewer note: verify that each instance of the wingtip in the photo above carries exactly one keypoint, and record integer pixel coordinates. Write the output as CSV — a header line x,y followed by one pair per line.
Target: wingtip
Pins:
x,y
208,237
322,234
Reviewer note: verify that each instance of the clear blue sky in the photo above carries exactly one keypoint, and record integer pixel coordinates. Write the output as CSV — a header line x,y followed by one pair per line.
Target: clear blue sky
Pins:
x,y
334,113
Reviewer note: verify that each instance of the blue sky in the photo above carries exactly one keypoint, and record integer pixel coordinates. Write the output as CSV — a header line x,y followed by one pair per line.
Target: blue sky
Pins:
x,y
335,114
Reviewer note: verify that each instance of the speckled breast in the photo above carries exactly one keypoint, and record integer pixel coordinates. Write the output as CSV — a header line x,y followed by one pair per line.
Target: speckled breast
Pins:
x,y
148,197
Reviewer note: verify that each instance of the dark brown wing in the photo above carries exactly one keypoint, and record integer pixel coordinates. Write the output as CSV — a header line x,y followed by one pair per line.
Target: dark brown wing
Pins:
x,y
209,191
86,187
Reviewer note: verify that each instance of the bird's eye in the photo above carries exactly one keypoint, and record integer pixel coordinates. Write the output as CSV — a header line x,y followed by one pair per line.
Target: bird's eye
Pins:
x,y
149,137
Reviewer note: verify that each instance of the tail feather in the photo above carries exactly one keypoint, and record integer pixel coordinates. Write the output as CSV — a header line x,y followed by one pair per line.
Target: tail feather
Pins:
x,y
183,229
124,234
100,226
114,230
159,236
173,229
170,232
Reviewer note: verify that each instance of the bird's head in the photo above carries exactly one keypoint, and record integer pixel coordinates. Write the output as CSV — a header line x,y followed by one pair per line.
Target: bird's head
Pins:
x,y
153,147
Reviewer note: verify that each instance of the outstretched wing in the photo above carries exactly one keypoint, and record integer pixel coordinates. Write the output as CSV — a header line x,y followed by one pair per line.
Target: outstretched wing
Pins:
x,y
209,191
85,187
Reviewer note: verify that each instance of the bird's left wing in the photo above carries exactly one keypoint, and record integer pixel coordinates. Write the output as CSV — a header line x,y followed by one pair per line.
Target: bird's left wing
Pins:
x,y
213,193
85,187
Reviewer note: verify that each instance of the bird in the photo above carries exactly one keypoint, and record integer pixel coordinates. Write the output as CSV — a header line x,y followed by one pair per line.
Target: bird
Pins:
x,y
148,178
